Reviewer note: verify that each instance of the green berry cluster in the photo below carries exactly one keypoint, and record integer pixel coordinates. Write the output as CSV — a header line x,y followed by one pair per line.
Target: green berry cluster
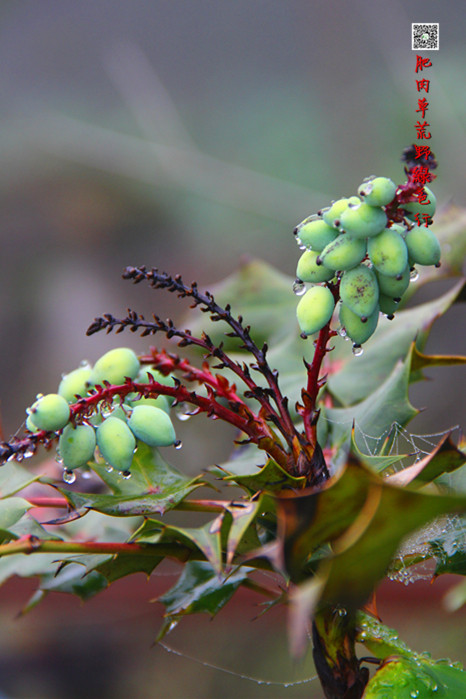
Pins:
x,y
114,431
353,247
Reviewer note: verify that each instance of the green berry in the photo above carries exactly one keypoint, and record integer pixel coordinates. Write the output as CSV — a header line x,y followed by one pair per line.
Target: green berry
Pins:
x,y
378,191
152,426
159,402
314,233
356,329
394,287
50,412
388,252
344,252
359,290
116,443
423,246
363,221
388,305
76,445
114,366
309,271
30,425
75,383
332,214
414,207
315,309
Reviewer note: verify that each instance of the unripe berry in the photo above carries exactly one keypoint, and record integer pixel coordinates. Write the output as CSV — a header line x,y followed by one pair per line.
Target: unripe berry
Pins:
x,y
159,402
359,290
309,271
363,221
315,309
388,305
333,212
379,191
414,207
358,330
423,246
116,443
152,426
75,383
314,233
50,412
393,286
388,252
114,366
76,445
344,253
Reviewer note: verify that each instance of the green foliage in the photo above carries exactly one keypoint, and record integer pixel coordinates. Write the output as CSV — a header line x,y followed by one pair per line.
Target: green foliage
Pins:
x,y
316,509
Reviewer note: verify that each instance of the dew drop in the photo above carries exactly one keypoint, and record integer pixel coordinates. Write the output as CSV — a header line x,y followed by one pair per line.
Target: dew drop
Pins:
x,y
178,444
69,476
86,475
299,287
183,412
414,693
302,247
126,475
109,468
357,350
342,332
29,452
39,396
19,457
59,460
413,275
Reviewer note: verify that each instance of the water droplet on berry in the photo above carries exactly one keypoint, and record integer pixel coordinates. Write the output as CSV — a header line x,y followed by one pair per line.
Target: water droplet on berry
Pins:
x,y
299,287
109,468
126,475
178,444
357,350
342,332
69,476
413,275
39,396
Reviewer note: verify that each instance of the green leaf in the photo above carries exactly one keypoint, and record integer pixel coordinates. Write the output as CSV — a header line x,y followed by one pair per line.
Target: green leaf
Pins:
x,y
449,549
424,679
360,377
154,488
374,416
199,589
445,458
239,517
207,539
74,580
363,555
271,477
377,463
14,478
310,518
421,361
406,673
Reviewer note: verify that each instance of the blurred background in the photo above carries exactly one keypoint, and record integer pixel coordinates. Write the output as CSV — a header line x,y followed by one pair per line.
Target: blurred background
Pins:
x,y
188,135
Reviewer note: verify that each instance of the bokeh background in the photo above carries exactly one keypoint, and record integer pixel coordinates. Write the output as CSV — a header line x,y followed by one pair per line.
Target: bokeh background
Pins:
x,y
187,135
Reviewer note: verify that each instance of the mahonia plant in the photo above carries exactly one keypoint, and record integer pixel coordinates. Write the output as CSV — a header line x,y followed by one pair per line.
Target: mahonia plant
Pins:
x,y
326,518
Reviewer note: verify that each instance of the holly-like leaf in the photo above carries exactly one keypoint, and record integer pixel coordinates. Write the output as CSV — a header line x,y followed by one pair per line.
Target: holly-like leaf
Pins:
x,y
360,377
153,488
361,561
421,677
199,589
375,415
445,458
207,539
271,477
449,549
